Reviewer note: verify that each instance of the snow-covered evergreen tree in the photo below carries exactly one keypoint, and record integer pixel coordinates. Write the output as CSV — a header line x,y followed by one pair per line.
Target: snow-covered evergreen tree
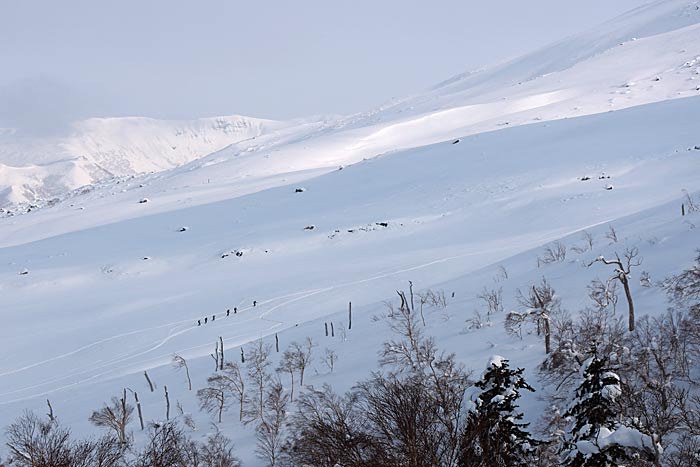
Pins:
x,y
494,435
597,437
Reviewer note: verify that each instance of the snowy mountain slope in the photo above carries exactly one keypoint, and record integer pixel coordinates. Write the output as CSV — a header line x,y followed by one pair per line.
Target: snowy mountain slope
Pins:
x,y
114,286
98,148
108,302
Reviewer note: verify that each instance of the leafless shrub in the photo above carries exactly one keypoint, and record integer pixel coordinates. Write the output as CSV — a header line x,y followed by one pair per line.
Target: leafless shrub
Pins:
x,y
690,204
645,280
401,415
36,443
611,235
434,298
684,288
603,295
330,358
217,452
554,253
476,321
328,430
514,323
587,243
492,300
167,446
501,275
115,416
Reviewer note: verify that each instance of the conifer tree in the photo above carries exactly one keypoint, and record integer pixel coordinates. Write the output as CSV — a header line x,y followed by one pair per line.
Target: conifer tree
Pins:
x,y
494,435
597,437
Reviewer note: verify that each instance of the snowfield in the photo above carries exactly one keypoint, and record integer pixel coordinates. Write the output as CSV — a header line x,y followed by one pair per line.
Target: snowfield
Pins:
x,y
442,189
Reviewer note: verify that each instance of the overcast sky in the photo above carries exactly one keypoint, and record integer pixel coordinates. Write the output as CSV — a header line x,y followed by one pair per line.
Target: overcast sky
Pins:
x,y
278,59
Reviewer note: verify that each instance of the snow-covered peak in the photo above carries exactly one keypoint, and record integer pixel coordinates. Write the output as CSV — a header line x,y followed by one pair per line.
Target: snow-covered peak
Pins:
x,y
33,168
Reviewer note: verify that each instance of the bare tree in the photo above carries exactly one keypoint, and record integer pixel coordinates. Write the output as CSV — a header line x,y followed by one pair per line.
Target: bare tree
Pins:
x,y
622,274
258,371
222,389
180,362
330,358
441,378
270,428
288,364
115,416
304,356
539,304
236,385
214,397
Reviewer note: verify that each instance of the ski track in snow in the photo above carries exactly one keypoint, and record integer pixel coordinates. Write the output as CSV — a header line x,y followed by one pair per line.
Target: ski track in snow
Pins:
x,y
241,339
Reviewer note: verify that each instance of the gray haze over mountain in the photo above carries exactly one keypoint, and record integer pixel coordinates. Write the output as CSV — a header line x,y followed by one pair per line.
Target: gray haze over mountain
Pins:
x,y
175,59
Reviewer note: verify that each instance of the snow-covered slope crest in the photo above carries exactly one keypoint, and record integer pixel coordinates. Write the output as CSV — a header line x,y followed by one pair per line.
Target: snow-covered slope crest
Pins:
x,y
99,148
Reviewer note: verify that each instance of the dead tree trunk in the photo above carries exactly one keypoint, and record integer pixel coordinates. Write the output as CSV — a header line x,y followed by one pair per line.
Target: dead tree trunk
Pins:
x,y
167,403
326,325
215,356
621,274
150,384
125,418
349,316
630,304
221,360
50,414
332,330
138,409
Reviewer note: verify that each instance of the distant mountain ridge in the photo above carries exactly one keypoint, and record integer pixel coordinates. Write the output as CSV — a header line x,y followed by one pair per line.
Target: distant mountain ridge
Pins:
x,y
99,148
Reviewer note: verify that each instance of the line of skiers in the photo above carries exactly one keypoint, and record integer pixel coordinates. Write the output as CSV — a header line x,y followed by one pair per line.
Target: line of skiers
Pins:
x,y
228,313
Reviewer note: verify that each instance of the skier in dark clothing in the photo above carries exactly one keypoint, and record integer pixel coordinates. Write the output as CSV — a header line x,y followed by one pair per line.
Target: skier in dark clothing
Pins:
x,y
213,317
199,322
235,310
205,321
228,312
255,302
